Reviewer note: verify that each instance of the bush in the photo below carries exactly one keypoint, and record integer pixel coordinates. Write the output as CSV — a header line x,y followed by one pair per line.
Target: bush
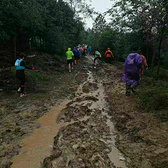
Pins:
x,y
163,75
153,96
154,99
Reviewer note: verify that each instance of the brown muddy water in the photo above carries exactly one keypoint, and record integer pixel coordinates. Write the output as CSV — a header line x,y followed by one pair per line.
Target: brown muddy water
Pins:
x,y
38,145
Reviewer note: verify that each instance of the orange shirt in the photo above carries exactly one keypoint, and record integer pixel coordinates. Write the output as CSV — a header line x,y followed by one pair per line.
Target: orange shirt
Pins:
x,y
109,53
144,64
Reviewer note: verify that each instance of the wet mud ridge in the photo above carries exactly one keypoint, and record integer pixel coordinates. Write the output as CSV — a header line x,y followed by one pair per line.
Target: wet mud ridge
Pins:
x,y
89,138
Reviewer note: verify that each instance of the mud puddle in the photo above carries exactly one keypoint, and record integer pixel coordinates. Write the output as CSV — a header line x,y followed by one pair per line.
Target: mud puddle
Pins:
x,y
115,155
38,146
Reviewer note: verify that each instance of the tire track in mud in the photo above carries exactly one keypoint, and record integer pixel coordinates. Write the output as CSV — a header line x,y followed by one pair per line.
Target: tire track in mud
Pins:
x,y
89,141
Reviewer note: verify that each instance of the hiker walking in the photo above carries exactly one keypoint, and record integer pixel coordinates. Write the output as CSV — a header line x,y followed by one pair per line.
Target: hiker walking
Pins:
x,y
80,53
76,55
20,74
97,56
83,50
144,63
109,55
69,56
132,67
89,50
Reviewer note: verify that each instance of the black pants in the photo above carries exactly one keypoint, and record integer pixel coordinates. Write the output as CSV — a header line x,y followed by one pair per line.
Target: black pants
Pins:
x,y
108,59
96,59
130,88
21,76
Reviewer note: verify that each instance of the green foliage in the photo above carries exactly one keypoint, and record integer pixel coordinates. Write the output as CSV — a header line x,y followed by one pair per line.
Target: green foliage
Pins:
x,y
152,73
155,99
153,96
47,25
164,59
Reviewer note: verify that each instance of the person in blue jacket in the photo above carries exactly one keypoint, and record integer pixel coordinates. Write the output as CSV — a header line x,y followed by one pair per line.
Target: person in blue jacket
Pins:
x,y
90,50
20,74
76,55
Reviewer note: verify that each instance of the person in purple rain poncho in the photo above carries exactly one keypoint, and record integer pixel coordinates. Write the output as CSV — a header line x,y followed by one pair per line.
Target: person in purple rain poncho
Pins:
x,y
132,67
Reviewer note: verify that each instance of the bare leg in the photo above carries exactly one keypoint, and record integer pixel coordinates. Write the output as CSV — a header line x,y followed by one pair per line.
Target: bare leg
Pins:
x,y
69,67
72,64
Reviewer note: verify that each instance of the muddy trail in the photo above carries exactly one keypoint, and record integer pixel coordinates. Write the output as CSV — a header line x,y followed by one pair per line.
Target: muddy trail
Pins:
x,y
46,88
99,127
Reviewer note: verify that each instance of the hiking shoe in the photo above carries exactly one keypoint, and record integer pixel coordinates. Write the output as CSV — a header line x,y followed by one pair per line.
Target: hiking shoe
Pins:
x,y
19,90
22,95
133,90
128,93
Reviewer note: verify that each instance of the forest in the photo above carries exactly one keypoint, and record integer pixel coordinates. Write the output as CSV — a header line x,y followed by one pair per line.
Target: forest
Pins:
x,y
52,25
43,30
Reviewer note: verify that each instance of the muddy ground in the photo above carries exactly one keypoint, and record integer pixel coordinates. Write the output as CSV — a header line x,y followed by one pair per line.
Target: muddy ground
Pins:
x,y
46,87
137,139
102,128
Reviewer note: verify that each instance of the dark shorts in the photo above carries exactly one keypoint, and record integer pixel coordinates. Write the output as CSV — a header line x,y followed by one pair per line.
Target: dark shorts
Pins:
x,y
21,76
108,59
69,61
97,57
77,57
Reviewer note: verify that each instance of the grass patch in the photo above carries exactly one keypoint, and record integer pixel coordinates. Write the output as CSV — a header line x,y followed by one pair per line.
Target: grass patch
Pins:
x,y
153,96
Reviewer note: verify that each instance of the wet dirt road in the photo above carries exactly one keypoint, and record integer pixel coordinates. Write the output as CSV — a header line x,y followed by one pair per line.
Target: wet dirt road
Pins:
x,y
85,135
99,128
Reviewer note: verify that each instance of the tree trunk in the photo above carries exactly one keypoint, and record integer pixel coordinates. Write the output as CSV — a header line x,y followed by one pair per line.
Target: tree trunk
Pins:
x,y
159,59
14,47
153,58
30,46
147,55
40,43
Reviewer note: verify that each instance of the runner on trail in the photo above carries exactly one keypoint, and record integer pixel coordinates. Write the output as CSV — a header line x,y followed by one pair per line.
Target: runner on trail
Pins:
x,y
69,56
20,74
109,55
86,47
80,53
83,50
132,67
97,56
144,63
89,50
76,55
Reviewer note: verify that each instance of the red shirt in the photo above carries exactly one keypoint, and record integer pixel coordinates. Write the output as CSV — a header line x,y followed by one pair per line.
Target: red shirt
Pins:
x,y
109,53
144,64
